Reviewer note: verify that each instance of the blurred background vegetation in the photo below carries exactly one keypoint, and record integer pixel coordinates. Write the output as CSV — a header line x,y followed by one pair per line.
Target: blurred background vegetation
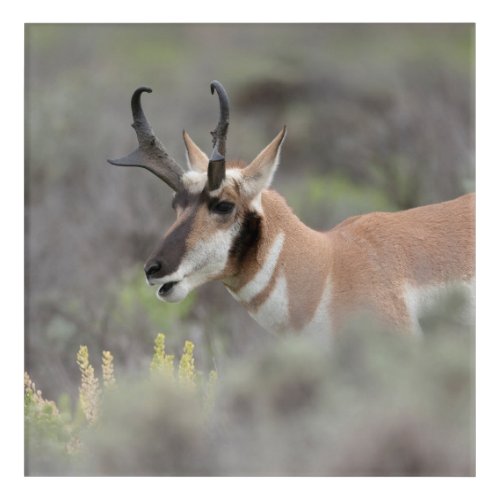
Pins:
x,y
379,117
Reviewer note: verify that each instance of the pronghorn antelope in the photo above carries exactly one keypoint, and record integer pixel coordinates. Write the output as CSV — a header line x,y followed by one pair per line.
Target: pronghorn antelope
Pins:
x,y
231,227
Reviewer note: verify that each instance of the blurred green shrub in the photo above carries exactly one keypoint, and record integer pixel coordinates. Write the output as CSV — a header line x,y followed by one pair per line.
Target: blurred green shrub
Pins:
x,y
368,402
47,433
373,403
325,200
133,295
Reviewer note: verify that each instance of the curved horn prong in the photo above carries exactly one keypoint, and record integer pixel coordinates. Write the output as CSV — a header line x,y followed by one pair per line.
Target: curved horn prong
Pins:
x,y
220,133
217,163
151,154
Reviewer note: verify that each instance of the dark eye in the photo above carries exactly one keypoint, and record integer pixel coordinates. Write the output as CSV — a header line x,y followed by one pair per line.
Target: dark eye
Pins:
x,y
223,207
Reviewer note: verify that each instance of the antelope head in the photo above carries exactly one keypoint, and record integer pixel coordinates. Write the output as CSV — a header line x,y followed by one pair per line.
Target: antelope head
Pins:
x,y
217,204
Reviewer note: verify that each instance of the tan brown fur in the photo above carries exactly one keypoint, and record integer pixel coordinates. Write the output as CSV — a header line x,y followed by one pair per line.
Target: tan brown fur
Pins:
x,y
367,261
369,258
196,157
302,244
378,254
231,227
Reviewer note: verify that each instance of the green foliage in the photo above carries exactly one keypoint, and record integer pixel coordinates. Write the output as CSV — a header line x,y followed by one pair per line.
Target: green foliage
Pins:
x,y
48,432
345,192
134,295
150,426
369,402
325,200
374,403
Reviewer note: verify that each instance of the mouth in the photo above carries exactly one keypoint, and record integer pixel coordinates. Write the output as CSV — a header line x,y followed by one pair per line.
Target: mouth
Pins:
x,y
166,288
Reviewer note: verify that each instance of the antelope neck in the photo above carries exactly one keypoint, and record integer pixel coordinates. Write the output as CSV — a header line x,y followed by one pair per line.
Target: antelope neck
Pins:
x,y
282,282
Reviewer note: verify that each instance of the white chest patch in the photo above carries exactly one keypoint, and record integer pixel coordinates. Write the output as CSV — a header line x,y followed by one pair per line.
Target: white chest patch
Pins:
x,y
261,280
273,313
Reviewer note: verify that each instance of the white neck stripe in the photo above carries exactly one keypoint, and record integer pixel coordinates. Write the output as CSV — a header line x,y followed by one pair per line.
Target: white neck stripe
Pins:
x,y
260,281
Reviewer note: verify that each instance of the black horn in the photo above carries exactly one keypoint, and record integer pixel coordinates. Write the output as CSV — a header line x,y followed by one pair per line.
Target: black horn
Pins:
x,y
217,162
220,133
151,154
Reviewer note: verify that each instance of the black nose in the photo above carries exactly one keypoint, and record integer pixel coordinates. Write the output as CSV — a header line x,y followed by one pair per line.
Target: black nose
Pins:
x,y
152,268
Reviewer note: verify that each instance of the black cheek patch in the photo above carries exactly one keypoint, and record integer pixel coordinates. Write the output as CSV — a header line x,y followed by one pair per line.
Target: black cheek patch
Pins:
x,y
247,238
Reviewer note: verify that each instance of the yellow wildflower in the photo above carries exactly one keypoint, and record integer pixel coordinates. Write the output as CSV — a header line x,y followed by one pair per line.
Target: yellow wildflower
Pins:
x,y
36,396
108,376
161,362
187,373
159,353
89,388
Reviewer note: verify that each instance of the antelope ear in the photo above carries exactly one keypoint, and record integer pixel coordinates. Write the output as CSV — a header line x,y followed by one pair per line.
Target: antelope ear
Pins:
x,y
196,158
259,174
